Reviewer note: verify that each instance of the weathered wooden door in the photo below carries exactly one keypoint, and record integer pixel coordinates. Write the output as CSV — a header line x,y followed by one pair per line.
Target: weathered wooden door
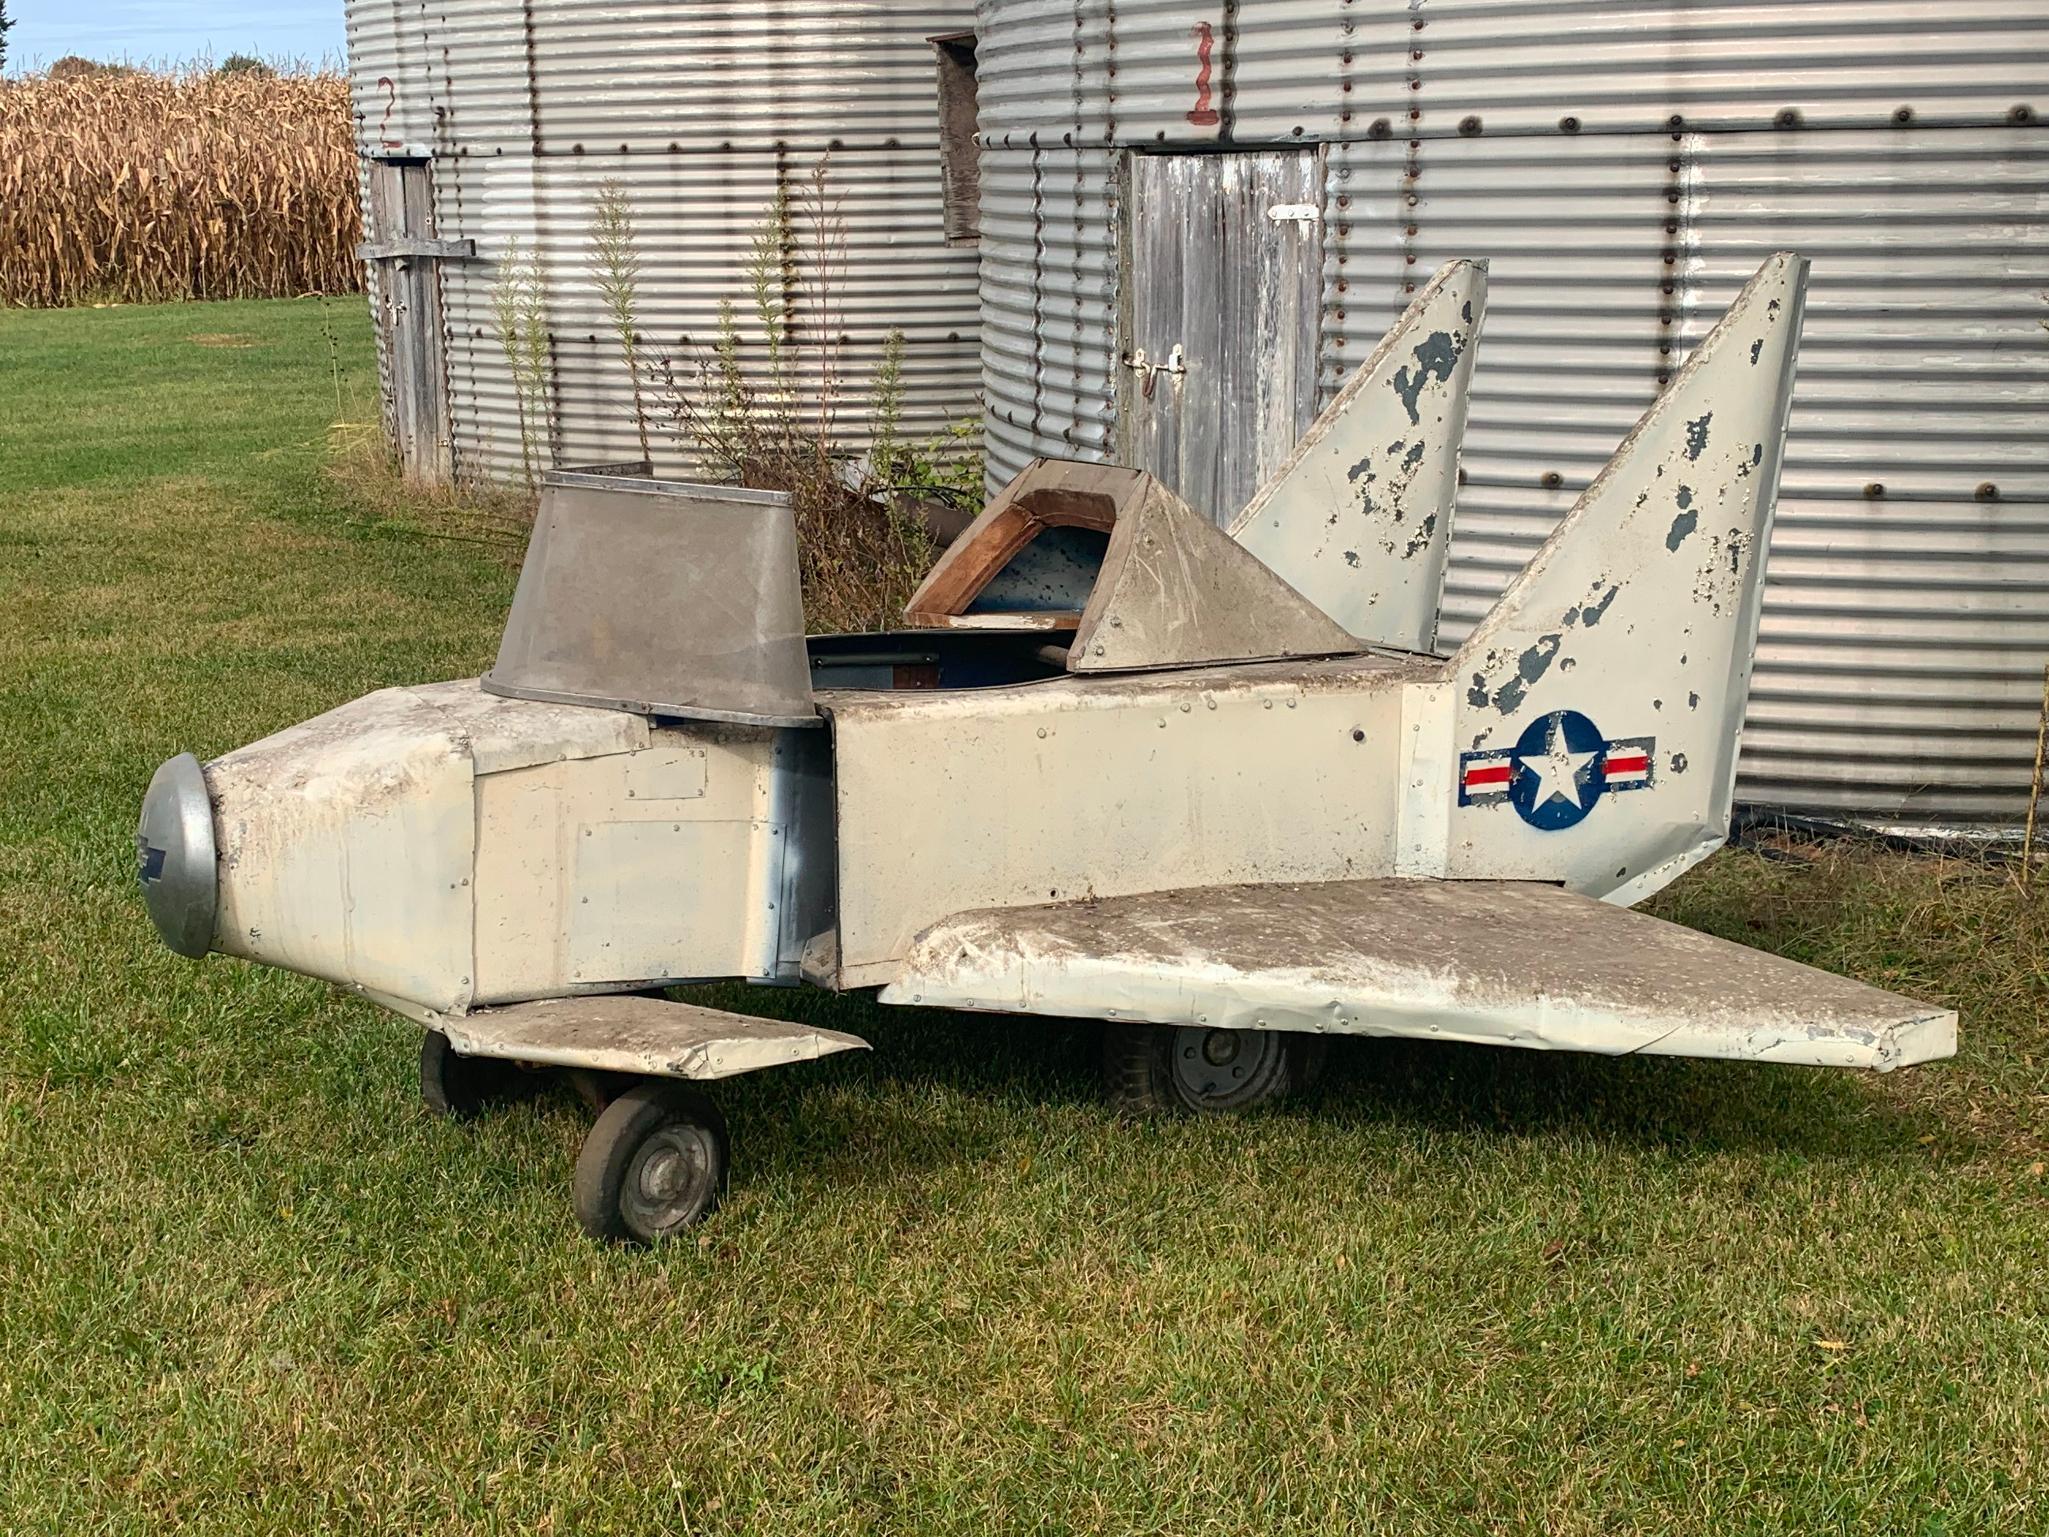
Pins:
x,y
406,298
1225,295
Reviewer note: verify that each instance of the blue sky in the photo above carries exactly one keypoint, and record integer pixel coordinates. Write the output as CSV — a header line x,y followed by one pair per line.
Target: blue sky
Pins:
x,y
159,31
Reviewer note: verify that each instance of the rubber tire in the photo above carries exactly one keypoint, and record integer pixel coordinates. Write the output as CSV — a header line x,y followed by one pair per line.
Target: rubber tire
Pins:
x,y
1138,1072
460,1087
600,1186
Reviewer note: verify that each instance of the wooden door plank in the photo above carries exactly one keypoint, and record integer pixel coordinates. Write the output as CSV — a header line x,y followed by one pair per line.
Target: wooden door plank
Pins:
x,y
1205,293
1241,294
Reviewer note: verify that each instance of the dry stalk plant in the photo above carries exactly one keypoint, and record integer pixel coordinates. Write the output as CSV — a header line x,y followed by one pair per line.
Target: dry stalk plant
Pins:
x,y
861,552
519,306
128,186
616,258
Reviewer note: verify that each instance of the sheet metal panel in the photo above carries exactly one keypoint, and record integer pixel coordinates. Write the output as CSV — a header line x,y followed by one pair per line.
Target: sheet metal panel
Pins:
x,y
1907,605
1504,963
701,111
1152,72
1358,520
626,1033
1205,811
1139,71
389,91
696,215
1628,639
660,598
1630,65
1048,306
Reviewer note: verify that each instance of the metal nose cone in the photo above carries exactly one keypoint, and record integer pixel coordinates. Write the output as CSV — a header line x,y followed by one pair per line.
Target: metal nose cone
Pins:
x,y
174,853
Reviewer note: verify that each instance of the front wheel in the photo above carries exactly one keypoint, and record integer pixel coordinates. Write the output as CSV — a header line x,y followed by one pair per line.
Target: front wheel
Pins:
x,y
653,1165
1151,1069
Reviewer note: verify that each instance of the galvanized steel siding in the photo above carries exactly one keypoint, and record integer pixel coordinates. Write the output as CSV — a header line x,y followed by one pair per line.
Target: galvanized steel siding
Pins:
x,y
1898,143
1907,599
1282,69
701,112
1049,258
1735,64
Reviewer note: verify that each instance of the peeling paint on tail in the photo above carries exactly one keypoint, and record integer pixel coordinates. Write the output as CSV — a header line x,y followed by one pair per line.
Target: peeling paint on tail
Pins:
x,y
1358,520
1637,599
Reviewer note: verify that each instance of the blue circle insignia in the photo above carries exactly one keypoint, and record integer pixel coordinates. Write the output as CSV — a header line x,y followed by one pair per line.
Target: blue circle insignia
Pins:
x,y
1557,770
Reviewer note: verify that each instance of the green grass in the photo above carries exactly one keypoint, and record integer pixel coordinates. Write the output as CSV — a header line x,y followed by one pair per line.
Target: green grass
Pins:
x,y
247,1285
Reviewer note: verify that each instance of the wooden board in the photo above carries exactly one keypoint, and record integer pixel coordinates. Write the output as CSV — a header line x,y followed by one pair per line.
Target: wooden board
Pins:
x,y
1241,294
406,292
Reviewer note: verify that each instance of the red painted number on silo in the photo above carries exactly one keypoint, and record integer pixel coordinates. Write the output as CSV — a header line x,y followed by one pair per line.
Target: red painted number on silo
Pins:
x,y
1204,115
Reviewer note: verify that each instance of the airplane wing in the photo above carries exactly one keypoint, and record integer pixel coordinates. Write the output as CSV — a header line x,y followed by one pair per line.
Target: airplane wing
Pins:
x,y
1511,963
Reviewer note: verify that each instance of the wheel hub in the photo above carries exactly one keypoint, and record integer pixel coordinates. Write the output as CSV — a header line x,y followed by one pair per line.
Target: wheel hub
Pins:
x,y
1220,1069
669,1180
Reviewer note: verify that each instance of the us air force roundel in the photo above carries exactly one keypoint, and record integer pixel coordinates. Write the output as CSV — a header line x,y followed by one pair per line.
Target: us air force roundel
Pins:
x,y
1558,769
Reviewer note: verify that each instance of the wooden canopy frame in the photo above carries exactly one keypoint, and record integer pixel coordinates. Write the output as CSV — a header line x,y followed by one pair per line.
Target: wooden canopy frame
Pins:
x,y
1173,590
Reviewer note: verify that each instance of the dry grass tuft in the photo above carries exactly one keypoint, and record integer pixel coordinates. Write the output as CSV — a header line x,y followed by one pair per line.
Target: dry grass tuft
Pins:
x,y
373,491
126,186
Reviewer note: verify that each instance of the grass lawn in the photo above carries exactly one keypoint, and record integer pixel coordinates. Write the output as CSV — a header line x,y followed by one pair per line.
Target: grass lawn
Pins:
x,y
250,1286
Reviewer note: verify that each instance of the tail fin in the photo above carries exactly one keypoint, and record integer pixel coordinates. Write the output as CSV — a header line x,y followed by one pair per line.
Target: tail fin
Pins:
x,y
1619,660
1358,520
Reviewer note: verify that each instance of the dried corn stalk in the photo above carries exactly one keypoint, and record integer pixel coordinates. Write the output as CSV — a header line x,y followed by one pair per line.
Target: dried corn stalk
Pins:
x,y
137,187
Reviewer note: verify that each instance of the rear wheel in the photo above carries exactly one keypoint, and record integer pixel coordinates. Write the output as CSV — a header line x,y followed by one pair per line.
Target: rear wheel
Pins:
x,y
452,1084
653,1165
1151,1069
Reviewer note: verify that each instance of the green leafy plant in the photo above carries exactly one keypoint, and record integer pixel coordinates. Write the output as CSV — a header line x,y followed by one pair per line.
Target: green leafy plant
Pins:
x,y
886,403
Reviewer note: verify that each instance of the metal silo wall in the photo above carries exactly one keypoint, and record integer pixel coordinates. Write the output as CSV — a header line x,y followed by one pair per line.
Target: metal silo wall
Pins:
x,y
700,111
1624,167
1048,297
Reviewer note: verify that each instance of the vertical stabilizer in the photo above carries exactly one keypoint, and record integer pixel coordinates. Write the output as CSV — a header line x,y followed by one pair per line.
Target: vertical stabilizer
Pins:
x,y
1358,520
1597,708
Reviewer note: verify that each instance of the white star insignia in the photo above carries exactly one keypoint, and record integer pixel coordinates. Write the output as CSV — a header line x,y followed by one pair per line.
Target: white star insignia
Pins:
x,y
1557,770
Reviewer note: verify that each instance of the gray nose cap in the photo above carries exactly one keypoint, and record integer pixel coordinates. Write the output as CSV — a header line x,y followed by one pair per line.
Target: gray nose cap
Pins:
x,y
174,856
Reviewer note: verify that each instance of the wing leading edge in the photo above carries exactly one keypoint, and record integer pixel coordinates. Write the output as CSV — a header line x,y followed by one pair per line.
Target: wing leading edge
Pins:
x,y
1511,963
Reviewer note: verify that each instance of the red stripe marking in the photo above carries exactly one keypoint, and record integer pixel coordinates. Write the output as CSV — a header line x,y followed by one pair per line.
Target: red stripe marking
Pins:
x,y
1493,774
1637,764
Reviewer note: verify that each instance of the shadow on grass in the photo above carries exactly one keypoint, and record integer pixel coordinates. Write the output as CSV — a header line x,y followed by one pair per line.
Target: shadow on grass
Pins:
x,y
1683,1106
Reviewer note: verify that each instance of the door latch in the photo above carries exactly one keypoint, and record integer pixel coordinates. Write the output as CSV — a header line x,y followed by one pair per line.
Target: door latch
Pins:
x,y
1149,371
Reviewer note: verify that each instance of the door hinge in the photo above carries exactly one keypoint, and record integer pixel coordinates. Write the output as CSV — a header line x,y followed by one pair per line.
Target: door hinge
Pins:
x,y
1295,213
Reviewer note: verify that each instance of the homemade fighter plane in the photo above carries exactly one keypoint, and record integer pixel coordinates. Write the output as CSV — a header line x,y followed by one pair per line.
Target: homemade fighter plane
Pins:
x,y
1210,784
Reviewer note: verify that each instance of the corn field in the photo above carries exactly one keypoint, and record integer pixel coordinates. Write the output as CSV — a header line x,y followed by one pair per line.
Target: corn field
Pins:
x,y
126,186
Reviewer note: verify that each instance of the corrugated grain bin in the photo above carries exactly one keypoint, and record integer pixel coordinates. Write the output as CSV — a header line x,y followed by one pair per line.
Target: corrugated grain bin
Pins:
x,y
484,122
1623,167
